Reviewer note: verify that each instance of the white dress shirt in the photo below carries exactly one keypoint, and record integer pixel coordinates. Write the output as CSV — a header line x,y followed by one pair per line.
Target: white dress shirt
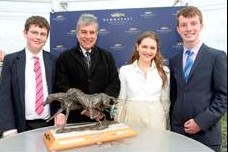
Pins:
x,y
30,87
136,87
195,50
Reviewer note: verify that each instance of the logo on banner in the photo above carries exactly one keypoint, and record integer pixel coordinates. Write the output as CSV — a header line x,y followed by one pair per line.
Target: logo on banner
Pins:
x,y
117,18
178,45
103,31
71,33
118,15
148,14
164,29
117,47
59,18
133,30
59,48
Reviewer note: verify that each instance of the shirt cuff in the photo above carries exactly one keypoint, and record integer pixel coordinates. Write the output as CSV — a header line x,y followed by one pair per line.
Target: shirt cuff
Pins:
x,y
9,132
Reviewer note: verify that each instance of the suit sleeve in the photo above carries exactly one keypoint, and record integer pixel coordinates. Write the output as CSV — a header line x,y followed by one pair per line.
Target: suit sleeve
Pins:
x,y
113,86
218,105
173,88
7,115
62,80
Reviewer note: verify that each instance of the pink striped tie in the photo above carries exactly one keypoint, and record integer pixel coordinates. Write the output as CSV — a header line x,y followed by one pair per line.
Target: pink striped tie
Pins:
x,y
39,108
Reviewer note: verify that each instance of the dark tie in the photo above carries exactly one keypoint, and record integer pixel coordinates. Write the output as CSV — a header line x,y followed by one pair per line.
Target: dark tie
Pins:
x,y
188,64
88,59
39,108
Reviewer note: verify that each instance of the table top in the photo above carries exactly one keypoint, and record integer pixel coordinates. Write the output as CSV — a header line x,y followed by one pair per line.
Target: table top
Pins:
x,y
145,141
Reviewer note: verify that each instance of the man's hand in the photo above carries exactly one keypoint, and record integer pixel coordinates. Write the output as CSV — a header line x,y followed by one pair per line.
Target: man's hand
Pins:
x,y
2,54
191,127
60,120
97,115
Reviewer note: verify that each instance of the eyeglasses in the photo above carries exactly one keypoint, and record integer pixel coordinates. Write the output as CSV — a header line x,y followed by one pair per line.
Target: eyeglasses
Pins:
x,y
36,33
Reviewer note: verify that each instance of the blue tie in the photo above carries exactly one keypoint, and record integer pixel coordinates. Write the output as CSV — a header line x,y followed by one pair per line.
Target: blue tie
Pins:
x,y
188,64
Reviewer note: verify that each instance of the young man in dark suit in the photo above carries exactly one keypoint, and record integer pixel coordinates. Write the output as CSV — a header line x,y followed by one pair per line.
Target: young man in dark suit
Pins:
x,y
198,83
27,79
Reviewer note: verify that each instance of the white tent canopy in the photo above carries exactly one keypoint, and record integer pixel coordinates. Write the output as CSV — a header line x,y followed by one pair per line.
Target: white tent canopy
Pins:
x,y
13,14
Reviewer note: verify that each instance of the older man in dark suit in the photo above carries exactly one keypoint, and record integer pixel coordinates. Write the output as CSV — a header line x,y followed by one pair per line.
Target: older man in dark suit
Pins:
x,y
86,67
198,83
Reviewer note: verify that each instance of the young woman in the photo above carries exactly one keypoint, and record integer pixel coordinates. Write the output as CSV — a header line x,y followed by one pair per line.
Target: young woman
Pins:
x,y
144,89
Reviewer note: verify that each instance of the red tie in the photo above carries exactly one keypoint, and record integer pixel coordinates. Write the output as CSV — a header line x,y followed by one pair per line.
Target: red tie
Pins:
x,y
39,87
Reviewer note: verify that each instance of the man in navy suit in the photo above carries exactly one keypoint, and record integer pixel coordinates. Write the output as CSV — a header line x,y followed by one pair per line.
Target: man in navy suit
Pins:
x,y
199,100
18,81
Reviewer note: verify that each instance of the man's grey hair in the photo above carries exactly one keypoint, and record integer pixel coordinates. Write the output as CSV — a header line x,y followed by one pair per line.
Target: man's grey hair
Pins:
x,y
87,19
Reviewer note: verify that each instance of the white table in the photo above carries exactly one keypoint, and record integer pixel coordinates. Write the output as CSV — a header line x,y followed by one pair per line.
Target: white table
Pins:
x,y
145,141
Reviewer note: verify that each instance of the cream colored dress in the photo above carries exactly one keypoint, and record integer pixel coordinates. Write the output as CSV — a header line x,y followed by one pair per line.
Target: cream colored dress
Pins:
x,y
143,101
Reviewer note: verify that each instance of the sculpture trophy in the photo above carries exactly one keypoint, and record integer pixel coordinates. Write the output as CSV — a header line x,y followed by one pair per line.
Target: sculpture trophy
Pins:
x,y
94,106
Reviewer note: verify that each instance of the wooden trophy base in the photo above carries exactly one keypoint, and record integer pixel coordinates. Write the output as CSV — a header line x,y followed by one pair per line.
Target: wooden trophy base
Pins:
x,y
87,134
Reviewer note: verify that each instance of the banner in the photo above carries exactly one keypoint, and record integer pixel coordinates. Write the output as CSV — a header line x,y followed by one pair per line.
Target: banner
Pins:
x,y
119,30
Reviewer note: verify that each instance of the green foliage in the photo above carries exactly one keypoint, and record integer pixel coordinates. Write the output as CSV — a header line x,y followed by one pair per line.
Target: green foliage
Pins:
x,y
224,133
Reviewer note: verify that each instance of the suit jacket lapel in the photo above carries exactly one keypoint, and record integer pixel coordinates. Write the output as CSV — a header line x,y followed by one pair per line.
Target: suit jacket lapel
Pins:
x,y
48,70
20,68
180,68
79,57
94,60
93,65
